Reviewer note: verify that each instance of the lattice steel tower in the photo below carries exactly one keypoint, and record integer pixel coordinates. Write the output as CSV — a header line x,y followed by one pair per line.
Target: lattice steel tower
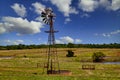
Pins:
x,y
52,58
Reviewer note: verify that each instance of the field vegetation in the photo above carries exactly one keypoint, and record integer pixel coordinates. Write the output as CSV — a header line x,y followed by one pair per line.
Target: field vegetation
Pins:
x,y
23,64
69,45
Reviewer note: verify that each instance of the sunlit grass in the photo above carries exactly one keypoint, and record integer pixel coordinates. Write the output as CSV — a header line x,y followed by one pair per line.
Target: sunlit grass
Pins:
x,y
23,65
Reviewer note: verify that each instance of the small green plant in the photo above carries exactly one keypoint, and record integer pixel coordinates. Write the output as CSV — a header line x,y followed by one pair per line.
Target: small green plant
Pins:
x,y
98,57
70,53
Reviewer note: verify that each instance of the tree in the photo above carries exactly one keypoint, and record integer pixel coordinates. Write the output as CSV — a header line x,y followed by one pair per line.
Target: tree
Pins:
x,y
98,56
70,45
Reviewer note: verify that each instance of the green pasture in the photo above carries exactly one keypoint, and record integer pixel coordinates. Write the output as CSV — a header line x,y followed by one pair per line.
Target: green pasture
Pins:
x,y
22,65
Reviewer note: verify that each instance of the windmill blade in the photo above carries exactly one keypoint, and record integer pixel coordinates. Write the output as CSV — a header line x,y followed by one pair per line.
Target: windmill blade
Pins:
x,y
43,14
44,19
47,22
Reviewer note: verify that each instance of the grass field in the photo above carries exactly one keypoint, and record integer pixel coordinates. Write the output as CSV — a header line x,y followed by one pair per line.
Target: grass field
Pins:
x,y
22,65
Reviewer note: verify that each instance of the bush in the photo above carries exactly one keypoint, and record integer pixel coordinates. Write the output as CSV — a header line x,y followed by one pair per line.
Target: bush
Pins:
x,y
98,57
70,53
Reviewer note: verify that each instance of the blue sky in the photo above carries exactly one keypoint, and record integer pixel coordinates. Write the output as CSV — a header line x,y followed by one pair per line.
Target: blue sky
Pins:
x,y
78,21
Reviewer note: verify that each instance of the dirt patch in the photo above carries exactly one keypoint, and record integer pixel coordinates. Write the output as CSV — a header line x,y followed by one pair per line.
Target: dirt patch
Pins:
x,y
61,72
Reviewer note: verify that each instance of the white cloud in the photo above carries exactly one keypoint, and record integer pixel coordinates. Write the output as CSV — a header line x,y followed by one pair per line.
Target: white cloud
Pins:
x,y
91,5
85,15
78,41
115,5
57,41
67,39
2,29
19,9
109,34
38,7
67,20
39,18
7,41
19,41
115,32
88,5
105,3
13,42
5,27
18,34
64,7
19,25
106,35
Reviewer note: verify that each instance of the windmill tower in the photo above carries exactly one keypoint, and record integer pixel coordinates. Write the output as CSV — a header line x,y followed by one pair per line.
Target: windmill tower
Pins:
x,y
52,58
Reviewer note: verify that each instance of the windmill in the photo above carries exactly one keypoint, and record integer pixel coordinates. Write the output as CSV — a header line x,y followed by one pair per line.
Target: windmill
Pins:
x,y
52,58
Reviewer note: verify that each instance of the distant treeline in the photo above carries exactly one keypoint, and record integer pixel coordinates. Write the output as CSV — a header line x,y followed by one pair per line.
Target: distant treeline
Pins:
x,y
69,45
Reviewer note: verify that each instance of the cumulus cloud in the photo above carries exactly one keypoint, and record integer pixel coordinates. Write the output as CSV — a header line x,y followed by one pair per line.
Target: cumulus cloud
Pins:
x,y
91,5
19,25
2,29
88,5
67,20
115,5
110,5
84,15
19,9
38,7
105,3
13,42
115,32
57,41
64,7
67,39
109,34
39,18
106,35
78,41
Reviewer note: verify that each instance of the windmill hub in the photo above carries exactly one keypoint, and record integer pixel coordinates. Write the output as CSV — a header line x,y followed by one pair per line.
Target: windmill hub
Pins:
x,y
47,15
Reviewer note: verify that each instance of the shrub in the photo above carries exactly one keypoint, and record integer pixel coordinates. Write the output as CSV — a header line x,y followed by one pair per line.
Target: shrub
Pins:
x,y
98,57
70,53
